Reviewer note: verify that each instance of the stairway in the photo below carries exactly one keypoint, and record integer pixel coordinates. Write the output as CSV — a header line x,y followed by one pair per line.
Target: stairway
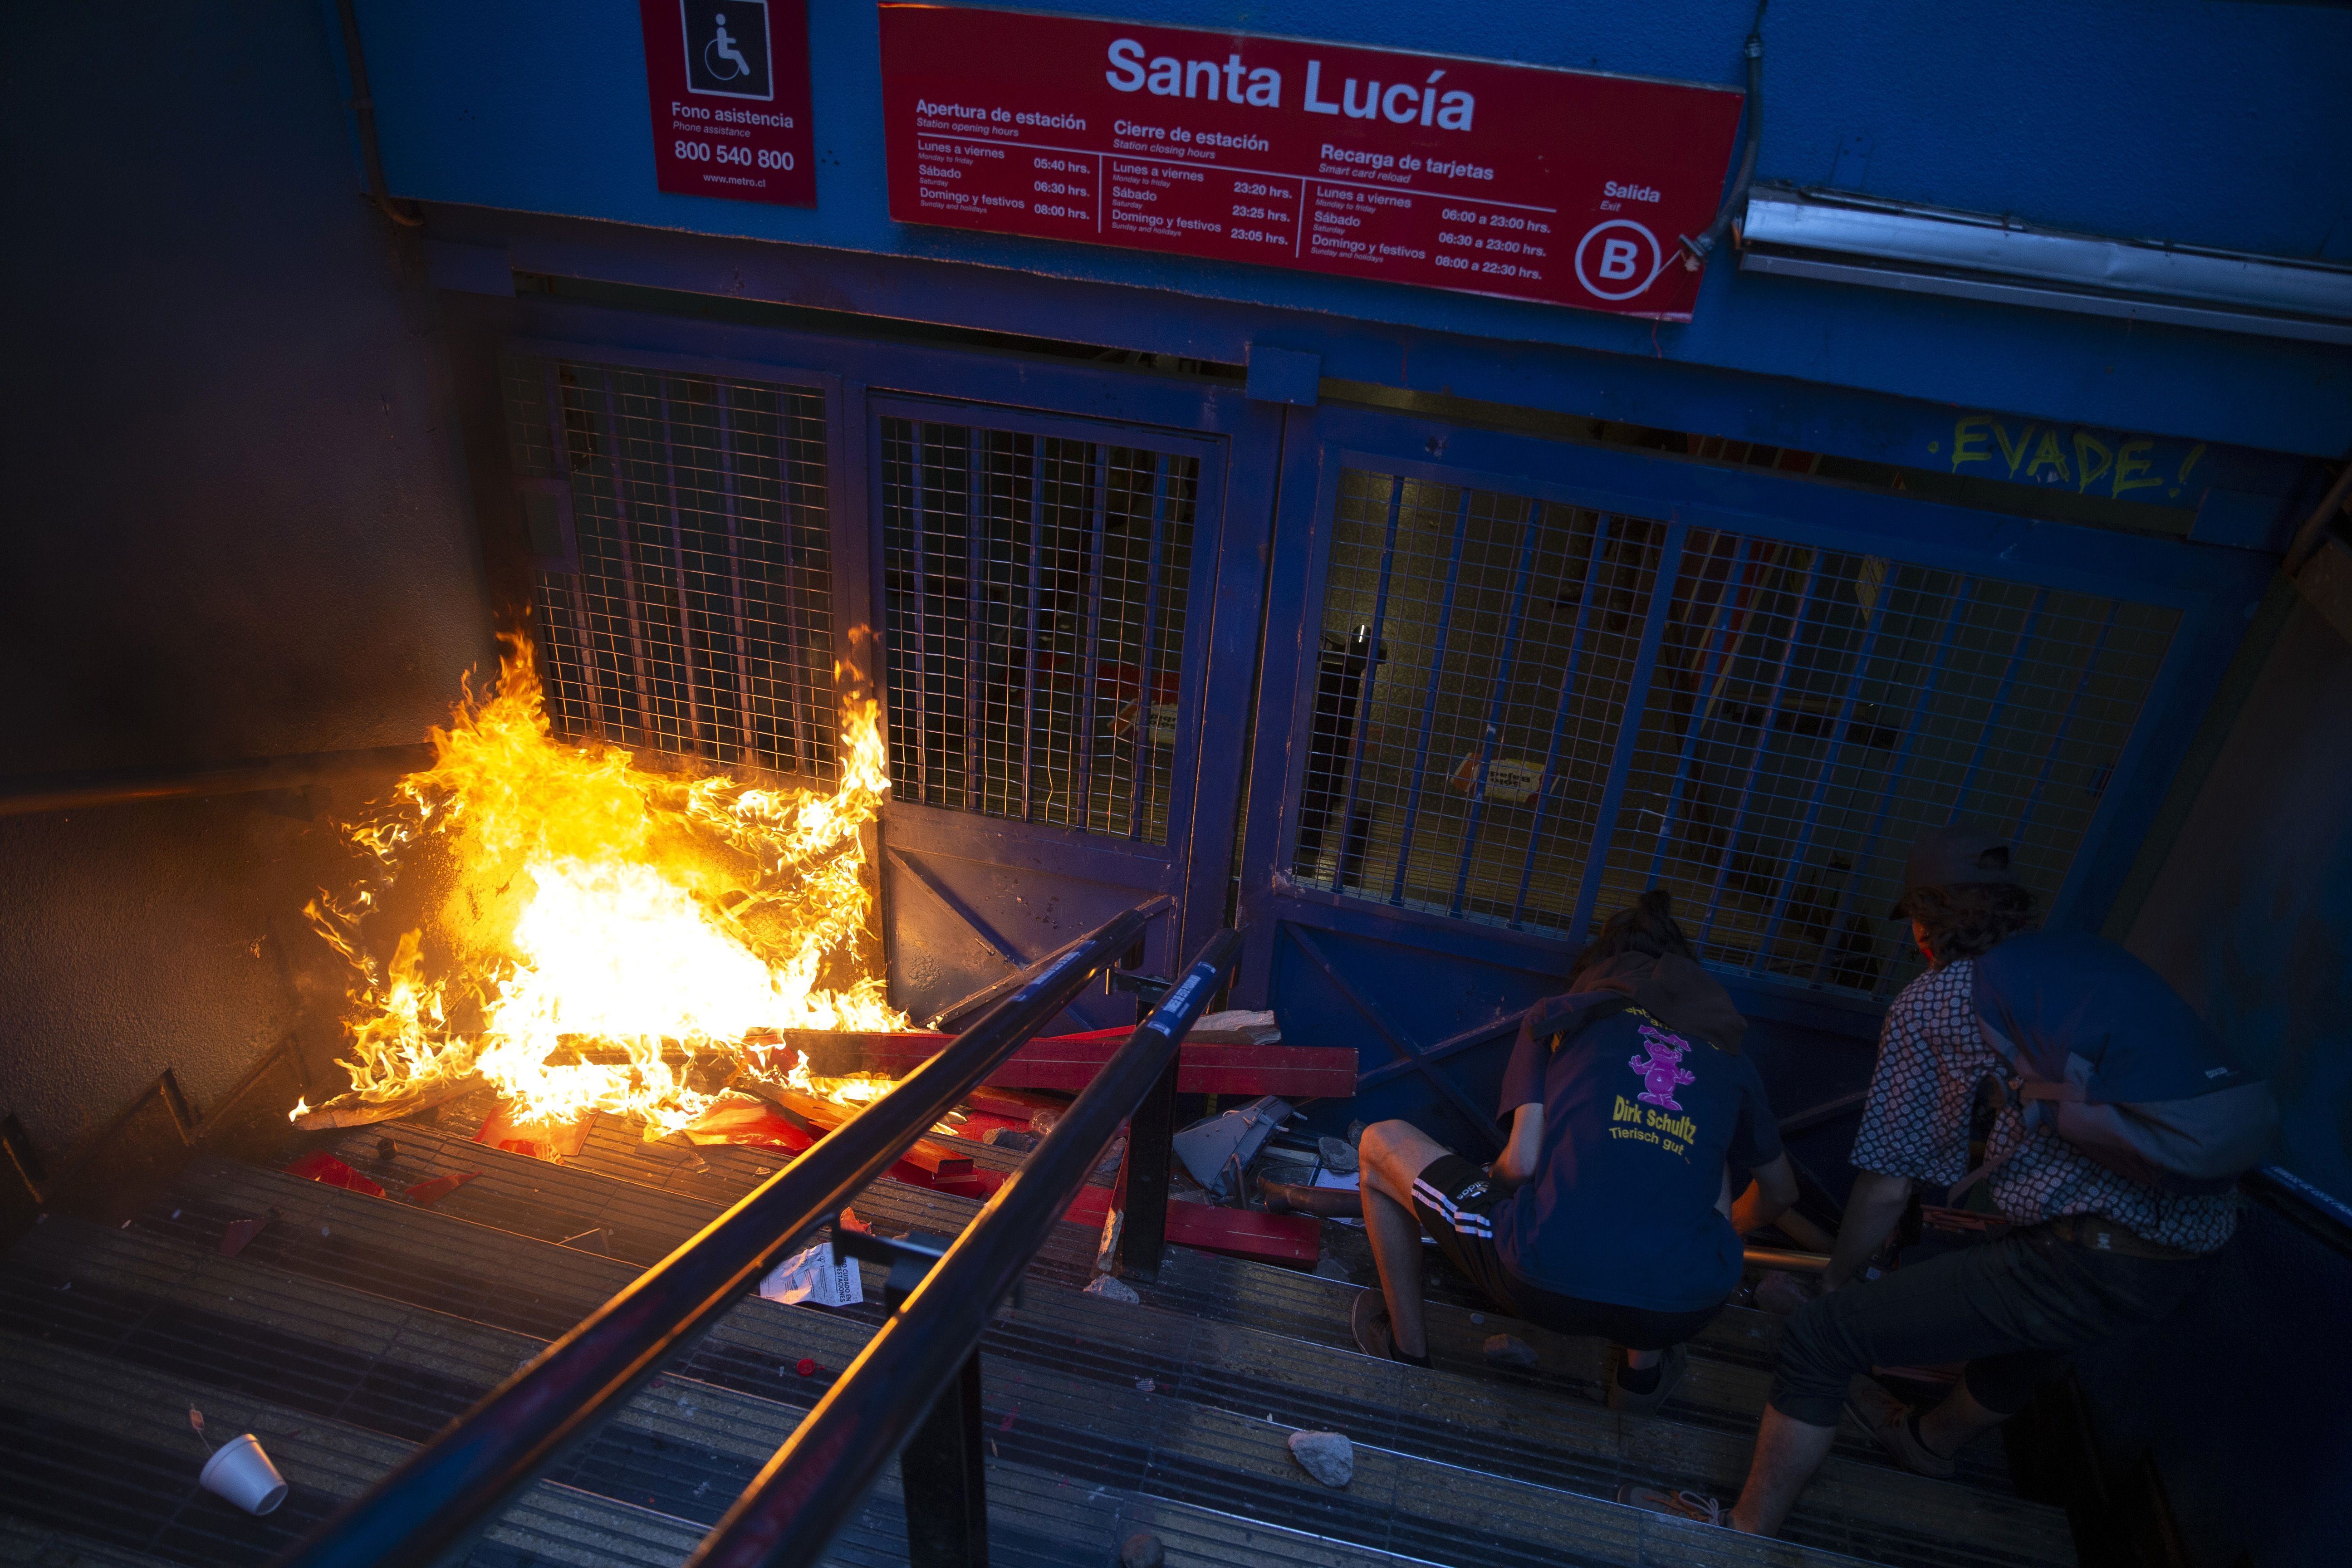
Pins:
x,y
353,1327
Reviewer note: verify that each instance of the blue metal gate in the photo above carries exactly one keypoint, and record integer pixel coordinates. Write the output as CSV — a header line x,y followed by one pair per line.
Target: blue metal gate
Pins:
x,y
729,532
1038,580
1531,679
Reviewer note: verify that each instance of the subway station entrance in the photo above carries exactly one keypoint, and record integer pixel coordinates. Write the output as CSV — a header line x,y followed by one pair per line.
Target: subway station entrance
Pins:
x,y
1497,684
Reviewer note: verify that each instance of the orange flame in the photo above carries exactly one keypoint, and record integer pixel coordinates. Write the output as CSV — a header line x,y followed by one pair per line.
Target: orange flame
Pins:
x,y
600,930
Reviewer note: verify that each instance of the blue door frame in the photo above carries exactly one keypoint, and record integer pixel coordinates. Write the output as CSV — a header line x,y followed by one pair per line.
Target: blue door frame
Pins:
x,y
964,895
1430,1000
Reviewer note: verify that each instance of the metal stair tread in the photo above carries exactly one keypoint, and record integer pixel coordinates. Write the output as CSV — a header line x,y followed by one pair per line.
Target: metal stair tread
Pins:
x,y
1724,1391
1394,1501
1072,1353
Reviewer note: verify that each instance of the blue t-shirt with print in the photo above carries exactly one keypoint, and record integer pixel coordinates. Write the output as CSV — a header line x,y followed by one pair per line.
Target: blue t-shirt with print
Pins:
x,y
1638,1123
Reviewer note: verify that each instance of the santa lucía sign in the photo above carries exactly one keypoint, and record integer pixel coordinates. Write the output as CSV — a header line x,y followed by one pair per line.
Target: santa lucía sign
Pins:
x,y
1567,187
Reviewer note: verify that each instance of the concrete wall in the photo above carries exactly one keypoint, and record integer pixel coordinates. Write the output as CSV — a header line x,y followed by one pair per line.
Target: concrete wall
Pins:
x,y
238,527
2250,919
2198,123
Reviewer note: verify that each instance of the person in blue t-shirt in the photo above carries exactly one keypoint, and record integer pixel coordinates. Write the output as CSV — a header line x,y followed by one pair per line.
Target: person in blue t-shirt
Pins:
x,y
1610,1210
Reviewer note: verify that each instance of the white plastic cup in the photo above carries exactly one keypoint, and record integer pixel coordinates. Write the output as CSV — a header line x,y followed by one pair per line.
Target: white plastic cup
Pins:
x,y
242,1473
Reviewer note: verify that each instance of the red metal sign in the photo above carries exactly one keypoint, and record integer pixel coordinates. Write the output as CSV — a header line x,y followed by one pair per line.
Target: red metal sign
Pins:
x,y
1568,187
729,81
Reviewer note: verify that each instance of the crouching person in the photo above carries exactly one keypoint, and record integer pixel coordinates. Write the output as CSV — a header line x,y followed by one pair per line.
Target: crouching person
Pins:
x,y
2109,1227
1610,1210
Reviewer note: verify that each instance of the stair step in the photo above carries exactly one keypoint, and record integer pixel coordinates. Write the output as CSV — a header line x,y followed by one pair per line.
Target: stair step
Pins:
x,y
685,1446
1070,1356
1723,1392
102,1448
24,1544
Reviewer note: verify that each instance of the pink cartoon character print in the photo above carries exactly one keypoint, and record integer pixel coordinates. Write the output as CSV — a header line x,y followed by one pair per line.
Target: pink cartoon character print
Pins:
x,y
1663,1071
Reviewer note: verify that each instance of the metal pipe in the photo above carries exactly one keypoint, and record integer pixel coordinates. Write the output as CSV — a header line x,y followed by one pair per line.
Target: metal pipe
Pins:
x,y
1841,731
1029,646
1365,682
1497,702
410,1516
976,505
2000,700
693,736
364,113
1756,752
1701,712
737,602
1143,749
1961,598
817,1481
1788,1262
126,787
583,635
919,682
1090,644
1628,735
1695,251
625,554
1592,567
1429,704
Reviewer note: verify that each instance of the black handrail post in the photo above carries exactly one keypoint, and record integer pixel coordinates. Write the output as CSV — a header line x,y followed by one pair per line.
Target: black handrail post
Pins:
x,y
939,1471
946,1487
1143,1187
802,1496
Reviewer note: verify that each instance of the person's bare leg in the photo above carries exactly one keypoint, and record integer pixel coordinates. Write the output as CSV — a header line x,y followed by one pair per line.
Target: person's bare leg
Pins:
x,y
1788,1452
1642,1360
1957,1422
1390,1156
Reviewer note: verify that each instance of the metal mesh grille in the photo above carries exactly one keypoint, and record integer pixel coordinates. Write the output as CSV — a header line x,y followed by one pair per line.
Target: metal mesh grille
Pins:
x,y
1034,609
700,619
1796,717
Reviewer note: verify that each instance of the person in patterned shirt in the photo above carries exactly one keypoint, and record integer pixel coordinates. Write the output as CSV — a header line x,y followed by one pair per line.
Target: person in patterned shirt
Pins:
x,y
2087,1254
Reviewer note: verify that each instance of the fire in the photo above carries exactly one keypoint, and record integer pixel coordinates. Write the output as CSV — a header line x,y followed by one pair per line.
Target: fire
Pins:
x,y
591,934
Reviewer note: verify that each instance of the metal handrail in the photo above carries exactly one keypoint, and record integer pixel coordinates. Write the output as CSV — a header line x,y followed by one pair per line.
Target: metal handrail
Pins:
x,y
818,1480
35,794
454,1482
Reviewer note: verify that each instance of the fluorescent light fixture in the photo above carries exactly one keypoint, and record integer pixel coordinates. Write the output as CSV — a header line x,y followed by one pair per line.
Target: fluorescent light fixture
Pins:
x,y
1847,238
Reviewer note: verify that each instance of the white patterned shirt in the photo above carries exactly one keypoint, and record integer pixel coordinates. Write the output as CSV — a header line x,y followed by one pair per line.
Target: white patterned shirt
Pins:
x,y
1916,1124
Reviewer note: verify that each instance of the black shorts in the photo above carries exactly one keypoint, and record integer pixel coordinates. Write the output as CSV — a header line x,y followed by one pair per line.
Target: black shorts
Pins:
x,y
1452,1198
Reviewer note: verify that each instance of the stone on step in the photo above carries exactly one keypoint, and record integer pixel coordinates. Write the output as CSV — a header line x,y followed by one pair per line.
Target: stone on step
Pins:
x,y
1143,1551
1338,1154
1510,1350
1112,1288
1328,1457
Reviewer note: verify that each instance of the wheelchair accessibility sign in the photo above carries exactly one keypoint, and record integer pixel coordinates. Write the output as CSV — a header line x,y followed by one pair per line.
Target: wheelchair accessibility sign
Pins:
x,y
727,48
728,82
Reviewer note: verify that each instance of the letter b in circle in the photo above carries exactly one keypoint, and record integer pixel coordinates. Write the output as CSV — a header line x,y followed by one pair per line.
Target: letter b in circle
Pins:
x,y
1617,260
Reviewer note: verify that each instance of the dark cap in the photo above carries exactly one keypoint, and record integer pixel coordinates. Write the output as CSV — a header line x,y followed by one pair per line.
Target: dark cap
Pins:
x,y
1951,856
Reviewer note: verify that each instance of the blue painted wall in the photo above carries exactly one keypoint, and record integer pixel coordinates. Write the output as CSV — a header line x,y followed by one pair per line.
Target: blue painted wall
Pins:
x,y
2200,123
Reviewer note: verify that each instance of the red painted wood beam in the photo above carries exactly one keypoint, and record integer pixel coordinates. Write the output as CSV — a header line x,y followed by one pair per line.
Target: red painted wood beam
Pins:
x,y
1068,1063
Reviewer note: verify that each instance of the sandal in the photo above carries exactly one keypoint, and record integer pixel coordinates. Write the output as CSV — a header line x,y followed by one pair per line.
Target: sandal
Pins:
x,y
1697,1506
1625,1401
1896,1426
